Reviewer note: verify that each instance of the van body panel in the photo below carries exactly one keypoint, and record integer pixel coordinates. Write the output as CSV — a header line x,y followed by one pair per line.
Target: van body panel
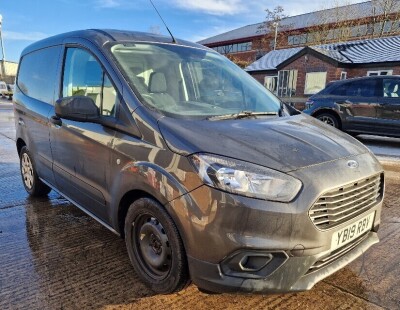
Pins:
x,y
32,126
264,140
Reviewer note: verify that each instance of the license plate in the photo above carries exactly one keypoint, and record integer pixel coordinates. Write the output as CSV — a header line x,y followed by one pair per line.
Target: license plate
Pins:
x,y
352,231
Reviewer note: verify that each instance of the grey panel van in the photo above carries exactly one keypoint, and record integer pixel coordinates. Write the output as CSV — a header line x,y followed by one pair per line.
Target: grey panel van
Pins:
x,y
207,176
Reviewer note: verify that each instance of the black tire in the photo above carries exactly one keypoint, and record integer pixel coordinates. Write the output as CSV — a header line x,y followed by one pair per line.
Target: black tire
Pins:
x,y
155,247
329,119
33,185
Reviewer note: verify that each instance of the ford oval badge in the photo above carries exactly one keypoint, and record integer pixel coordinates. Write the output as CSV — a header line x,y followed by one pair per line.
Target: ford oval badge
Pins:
x,y
352,164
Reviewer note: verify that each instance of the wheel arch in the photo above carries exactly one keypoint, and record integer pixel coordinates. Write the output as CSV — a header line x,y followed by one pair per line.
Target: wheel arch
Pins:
x,y
20,144
127,199
139,180
131,196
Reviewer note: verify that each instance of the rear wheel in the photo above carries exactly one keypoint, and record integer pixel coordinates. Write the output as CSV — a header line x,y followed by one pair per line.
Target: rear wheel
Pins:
x,y
155,247
329,119
33,185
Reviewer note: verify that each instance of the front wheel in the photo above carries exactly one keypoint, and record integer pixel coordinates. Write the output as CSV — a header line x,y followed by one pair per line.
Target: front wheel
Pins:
x,y
329,119
33,185
155,247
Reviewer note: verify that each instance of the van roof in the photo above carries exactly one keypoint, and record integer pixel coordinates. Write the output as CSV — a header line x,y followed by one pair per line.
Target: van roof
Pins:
x,y
101,36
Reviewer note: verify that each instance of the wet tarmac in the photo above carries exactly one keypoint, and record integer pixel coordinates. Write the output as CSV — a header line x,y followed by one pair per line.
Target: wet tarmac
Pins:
x,y
53,256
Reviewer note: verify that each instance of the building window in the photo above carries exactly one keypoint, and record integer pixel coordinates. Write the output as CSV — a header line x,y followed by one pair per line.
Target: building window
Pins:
x,y
271,83
233,48
287,80
315,81
379,72
343,75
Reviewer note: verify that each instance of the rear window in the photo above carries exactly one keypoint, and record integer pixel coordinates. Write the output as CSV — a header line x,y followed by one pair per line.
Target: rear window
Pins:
x,y
37,74
360,88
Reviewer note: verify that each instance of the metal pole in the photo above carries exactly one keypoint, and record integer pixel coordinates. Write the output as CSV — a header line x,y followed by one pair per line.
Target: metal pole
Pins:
x,y
3,65
275,24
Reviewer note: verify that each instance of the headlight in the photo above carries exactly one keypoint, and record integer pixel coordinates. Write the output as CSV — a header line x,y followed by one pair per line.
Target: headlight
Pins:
x,y
309,104
245,179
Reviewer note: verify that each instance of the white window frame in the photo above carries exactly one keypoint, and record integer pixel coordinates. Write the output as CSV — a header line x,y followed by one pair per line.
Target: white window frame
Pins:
x,y
271,77
307,76
379,72
343,75
287,83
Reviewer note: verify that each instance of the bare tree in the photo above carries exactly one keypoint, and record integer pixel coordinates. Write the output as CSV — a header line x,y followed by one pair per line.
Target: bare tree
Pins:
x,y
273,22
341,22
336,23
242,63
386,14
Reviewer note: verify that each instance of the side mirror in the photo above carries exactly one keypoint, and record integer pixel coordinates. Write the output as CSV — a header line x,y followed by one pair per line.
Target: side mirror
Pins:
x,y
77,108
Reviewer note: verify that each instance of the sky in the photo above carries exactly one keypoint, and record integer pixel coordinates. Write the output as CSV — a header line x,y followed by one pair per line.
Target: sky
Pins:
x,y
26,21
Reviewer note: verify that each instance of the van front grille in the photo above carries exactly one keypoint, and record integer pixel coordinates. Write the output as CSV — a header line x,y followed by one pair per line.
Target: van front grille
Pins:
x,y
343,203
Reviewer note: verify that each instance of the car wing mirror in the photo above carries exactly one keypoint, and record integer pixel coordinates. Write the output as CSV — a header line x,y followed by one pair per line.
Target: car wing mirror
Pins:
x,y
77,108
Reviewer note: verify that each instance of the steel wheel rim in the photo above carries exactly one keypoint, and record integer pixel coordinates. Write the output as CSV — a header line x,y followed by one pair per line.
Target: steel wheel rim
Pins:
x,y
327,120
152,244
27,171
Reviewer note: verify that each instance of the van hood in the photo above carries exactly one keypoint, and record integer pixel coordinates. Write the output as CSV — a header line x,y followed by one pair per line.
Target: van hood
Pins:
x,y
284,143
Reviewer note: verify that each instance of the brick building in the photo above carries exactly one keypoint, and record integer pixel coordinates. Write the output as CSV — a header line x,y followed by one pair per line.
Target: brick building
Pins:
x,y
8,71
370,19
300,72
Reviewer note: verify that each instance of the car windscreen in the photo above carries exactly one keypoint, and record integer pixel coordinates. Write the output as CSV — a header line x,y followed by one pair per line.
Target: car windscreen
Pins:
x,y
190,82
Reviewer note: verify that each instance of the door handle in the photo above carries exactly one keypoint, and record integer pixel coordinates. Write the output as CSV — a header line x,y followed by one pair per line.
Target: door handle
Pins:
x,y
56,120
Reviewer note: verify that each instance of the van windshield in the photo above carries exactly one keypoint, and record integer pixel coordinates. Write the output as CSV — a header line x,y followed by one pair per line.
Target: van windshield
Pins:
x,y
190,82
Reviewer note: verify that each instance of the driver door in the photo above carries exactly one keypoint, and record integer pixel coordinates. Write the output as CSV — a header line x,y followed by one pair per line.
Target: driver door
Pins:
x,y
81,150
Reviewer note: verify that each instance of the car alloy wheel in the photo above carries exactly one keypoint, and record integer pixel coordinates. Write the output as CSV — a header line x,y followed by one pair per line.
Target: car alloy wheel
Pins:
x,y
27,171
328,119
31,181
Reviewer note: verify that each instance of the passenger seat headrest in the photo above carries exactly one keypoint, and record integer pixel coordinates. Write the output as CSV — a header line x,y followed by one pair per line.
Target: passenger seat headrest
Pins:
x,y
157,83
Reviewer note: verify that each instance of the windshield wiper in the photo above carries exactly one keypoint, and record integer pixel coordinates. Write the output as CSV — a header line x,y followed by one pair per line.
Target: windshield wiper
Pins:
x,y
242,114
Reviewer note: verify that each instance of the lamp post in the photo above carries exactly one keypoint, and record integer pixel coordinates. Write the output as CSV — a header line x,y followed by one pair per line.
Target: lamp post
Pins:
x,y
275,24
3,66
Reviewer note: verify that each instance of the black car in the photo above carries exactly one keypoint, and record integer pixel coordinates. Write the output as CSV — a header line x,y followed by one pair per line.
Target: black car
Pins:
x,y
367,105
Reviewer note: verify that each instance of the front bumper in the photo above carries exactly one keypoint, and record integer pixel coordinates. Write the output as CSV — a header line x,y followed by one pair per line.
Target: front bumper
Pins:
x,y
215,225
292,276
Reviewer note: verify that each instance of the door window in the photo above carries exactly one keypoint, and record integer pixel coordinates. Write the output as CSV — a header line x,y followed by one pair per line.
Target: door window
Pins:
x,y
361,88
84,76
391,88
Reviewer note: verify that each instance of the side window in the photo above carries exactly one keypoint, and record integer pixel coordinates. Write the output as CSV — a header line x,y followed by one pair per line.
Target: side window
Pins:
x,y
37,74
340,90
391,88
362,88
84,76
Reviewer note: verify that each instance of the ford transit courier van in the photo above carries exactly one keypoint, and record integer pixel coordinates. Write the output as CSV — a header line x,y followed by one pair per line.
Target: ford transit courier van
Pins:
x,y
207,175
